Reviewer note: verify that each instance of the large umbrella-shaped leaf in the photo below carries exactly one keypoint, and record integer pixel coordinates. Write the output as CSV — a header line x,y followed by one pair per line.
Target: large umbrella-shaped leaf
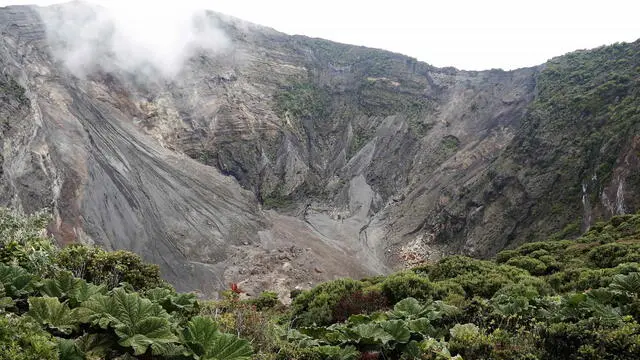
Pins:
x,y
421,326
69,350
398,330
370,334
302,340
60,286
157,295
367,318
336,352
138,322
170,301
16,280
66,286
228,347
49,311
409,308
629,283
204,340
83,291
146,332
199,332
96,345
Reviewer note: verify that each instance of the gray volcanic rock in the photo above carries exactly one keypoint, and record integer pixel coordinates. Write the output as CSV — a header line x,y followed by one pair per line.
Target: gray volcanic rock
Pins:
x,y
276,162
77,150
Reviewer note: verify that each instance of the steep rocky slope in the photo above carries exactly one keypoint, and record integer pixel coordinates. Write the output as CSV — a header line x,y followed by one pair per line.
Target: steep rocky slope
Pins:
x,y
285,160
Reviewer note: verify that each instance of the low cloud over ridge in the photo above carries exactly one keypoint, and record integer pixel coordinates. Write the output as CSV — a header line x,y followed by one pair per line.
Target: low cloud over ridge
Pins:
x,y
154,39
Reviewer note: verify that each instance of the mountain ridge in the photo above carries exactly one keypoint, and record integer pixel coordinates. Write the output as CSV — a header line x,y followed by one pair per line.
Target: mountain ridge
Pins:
x,y
287,160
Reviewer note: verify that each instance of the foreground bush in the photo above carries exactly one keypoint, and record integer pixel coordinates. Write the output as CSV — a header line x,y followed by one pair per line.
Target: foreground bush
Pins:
x,y
569,299
88,303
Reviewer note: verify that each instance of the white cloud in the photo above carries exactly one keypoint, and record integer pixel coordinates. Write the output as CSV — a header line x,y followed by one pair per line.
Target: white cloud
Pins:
x,y
152,40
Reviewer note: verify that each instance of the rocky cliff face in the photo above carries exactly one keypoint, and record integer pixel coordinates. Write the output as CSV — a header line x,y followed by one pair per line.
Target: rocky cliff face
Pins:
x,y
285,160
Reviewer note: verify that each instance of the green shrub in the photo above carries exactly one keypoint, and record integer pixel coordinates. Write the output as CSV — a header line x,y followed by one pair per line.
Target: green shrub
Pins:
x,y
406,284
447,288
22,242
304,100
590,340
607,255
521,345
316,306
266,300
325,352
360,302
550,246
505,255
109,267
532,265
21,338
453,266
470,342
485,278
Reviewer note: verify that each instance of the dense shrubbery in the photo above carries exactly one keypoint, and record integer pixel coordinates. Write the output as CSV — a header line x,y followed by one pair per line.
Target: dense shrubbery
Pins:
x,y
317,305
86,303
568,299
569,145
109,267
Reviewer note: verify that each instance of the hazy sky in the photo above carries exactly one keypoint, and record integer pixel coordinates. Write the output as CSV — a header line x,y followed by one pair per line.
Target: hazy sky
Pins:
x,y
467,34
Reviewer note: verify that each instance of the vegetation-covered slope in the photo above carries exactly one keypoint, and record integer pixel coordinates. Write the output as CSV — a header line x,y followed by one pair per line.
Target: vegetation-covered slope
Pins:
x,y
86,303
557,299
360,153
573,160
577,150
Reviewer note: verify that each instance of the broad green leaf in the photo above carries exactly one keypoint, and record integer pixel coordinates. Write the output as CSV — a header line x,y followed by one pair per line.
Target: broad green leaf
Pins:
x,y
5,303
138,322
228,347
332,335
149,331
421,326
168,350
100,310
60,286
337,336
204,340
397,329
296,337
138,342
337,352
201,331
463,331
69,351
629,283
83,291
371,334
49,311
96,345
152,327
442,309
182,302
16,280
171,302
367,318
307,341
158,294
359,319
408,308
